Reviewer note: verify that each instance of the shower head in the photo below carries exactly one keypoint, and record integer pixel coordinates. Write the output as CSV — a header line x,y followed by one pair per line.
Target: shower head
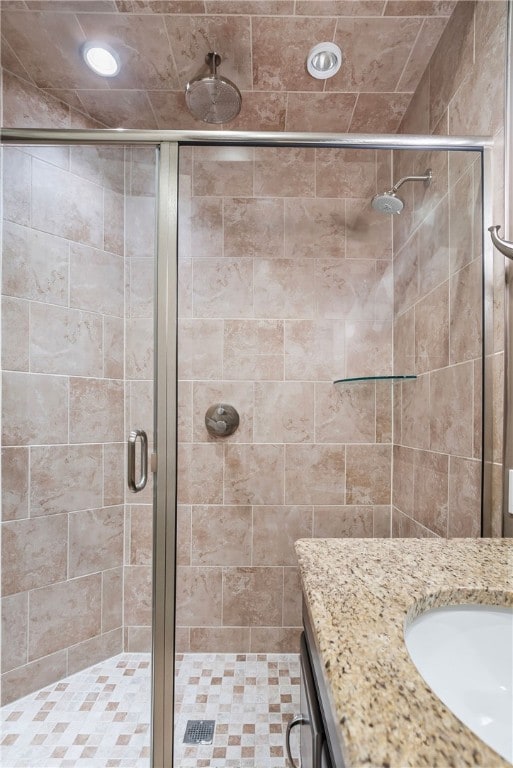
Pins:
x,y
210,97
390,202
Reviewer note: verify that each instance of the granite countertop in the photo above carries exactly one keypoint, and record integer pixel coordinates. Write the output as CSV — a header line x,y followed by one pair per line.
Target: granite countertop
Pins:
x,y
359,593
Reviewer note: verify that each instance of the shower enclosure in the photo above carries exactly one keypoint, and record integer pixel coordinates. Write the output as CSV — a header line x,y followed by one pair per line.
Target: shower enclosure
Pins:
x,y
150,276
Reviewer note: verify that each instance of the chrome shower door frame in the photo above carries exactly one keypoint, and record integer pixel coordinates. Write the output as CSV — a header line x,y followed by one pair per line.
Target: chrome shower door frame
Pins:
x,y
165,464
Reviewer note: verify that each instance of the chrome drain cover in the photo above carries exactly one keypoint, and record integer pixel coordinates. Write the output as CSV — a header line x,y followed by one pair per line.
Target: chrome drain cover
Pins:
x,y
199,732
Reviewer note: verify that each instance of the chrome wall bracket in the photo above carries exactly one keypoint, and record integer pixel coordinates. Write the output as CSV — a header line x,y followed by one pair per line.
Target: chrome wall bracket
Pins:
x,y
504,246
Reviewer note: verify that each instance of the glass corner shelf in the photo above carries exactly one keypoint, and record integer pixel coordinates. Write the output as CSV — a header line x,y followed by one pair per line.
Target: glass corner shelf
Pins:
x,y
375,378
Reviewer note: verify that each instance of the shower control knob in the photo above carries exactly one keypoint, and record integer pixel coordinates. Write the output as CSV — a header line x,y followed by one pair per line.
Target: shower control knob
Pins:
x,y
221,420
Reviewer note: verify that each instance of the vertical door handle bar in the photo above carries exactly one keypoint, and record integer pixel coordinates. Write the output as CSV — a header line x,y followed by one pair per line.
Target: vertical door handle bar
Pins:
x,y
133,484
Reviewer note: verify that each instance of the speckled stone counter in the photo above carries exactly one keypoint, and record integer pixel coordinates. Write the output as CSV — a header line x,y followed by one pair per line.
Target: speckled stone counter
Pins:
x,y
359,594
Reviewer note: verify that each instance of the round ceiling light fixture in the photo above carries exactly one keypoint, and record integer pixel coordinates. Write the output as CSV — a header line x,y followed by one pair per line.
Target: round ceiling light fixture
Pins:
x,y
101,58
324,60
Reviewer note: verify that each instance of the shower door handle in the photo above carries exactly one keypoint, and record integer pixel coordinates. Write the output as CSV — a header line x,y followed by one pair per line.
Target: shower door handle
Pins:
x,y
137,485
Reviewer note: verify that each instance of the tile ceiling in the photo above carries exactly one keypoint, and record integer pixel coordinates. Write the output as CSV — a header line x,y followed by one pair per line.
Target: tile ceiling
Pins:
x,y
162,43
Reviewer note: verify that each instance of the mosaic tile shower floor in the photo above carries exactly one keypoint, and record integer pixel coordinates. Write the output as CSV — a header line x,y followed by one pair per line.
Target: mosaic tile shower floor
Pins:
x,y
99,718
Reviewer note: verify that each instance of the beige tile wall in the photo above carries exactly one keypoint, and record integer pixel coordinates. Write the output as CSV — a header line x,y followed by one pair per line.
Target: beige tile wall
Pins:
x,y
62,412
437,275
285,285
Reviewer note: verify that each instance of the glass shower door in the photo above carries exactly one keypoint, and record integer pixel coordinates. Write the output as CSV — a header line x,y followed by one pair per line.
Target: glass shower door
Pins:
x,y
77,372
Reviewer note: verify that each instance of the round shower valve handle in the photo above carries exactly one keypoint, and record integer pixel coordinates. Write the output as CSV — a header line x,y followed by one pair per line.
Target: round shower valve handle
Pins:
x,y
221,420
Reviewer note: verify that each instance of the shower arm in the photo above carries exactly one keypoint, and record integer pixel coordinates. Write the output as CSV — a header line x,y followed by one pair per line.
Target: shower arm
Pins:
x,y
426,178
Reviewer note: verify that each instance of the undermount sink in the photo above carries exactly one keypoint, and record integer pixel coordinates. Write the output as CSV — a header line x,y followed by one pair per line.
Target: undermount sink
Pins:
x,y
465,654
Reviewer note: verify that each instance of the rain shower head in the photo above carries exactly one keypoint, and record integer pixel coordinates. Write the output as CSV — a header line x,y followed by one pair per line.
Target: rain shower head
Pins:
x,y
390,202
210,97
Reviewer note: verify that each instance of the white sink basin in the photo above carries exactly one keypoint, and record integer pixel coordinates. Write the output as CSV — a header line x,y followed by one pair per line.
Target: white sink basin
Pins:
x,y
465,654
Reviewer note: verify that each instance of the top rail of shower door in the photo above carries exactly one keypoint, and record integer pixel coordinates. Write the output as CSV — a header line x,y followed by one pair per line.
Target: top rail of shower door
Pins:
x,y
258,138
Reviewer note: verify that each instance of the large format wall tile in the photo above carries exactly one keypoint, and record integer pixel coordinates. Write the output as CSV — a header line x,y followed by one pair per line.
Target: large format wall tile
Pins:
x,y
34,409
63,614
64,478
65,341
252,596
34,553
95,540
15,483
96,280
221,535
14,630
96,410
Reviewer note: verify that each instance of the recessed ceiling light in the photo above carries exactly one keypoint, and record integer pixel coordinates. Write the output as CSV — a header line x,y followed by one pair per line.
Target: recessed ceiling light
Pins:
x,y
101,59
324,60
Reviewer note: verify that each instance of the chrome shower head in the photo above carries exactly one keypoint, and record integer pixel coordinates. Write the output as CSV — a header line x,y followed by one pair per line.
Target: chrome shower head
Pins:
x,y
210,97
388,202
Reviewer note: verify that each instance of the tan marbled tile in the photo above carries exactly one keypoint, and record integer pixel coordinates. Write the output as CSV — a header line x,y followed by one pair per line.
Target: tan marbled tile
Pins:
x,y
65,341
95,540
368,348
252,596
96,280
34,409
314,227
284,412
14,630
140,403
432,330
433,248
406,275
415,412
66,205
184,412
252,350
139,343
184,534
402,479
275,529
431,491
253,474
140,213
466,313
34,553
15,334
95,650
35,264
364,486
15,483
222,287
25,679
184,287
221,535
112,599
96,410
314,349
345,413
223,171
113,347
451,412
404,343
205,360
343,522
137,593
199,596
63,614
284,172
345,289
139,640
253,227
206,227
314,474
141,534
114,222
200,473
16,172
319,112
292,597
464,515
284,288
231,639
369,235
275,639
113,473
64,478
382,522
345,173
404,527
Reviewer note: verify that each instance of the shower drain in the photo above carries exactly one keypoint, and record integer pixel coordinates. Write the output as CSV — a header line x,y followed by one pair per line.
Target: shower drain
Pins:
x,y
199,732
